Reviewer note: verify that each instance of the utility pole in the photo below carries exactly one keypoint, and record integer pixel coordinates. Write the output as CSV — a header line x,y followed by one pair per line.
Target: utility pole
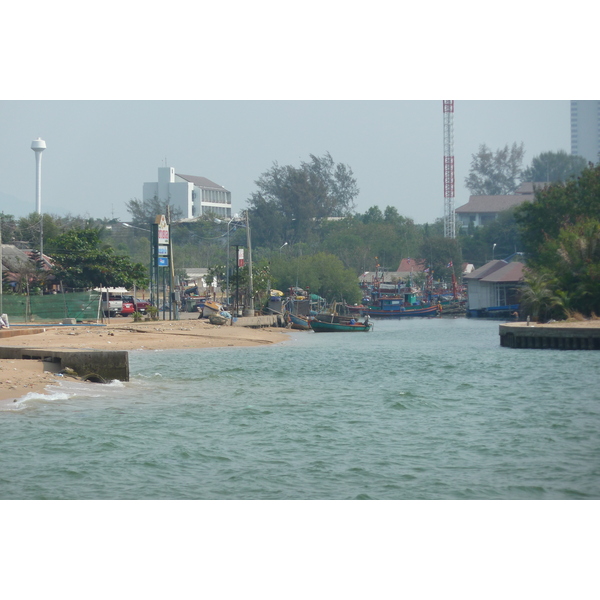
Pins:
x,y
250,285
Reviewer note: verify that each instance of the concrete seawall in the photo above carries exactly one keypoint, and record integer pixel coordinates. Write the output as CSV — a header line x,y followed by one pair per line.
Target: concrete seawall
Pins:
x,y
260,321
558,337
93,365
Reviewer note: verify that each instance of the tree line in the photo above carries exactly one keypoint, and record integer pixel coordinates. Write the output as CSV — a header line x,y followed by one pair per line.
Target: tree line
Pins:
x,y
305,230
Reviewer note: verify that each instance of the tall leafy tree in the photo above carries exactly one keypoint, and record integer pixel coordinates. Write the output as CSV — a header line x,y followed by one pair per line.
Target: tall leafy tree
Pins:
x,y
499,238
373,215
576,265
324,274
291,201
495,173
554,166
144,212
82,261
555,207
443,256
561,234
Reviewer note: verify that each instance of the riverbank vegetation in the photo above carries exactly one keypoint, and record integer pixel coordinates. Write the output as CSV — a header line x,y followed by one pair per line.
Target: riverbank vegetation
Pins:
x,y
560,233
305,232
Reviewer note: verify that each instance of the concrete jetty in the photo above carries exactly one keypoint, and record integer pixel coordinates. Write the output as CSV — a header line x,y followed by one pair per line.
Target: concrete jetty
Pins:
x,y
580,335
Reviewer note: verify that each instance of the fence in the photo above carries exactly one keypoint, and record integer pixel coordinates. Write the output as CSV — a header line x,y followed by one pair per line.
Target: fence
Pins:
x,y
21,308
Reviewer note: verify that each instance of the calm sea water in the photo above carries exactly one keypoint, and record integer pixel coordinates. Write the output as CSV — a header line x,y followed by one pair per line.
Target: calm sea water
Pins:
x,y
417,409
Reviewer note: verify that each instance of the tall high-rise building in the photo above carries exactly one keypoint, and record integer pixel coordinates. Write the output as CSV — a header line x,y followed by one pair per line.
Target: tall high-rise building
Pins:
x,y
585,129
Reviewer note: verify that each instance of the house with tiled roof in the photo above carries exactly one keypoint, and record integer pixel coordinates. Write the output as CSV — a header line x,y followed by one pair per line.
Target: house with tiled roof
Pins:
x,y
494,288
18,265
481,210
192,195
410,266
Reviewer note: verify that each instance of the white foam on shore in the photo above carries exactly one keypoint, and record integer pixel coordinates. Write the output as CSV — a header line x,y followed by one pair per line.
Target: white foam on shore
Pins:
x,y
25,401
63,390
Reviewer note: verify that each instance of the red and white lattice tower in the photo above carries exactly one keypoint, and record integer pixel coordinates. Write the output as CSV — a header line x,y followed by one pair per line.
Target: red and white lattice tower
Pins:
x,y
449,219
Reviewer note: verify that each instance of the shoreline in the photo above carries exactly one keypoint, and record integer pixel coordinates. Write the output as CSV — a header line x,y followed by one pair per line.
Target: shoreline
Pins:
x,y
20,377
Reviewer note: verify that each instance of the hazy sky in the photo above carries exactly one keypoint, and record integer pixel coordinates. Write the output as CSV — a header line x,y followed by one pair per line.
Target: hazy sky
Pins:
x,y
99,153
238,87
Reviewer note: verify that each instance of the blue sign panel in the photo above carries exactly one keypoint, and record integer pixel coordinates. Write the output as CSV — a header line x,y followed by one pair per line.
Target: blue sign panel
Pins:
x,y
163,261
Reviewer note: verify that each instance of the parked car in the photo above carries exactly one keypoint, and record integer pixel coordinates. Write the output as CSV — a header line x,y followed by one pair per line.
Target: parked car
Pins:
x,y
138,305
128,308
112,304
142,305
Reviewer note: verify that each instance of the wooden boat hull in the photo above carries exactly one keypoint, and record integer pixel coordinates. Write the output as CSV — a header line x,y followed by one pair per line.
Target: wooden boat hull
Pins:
x,y
210,308
428,311
299,322
320,326
218,320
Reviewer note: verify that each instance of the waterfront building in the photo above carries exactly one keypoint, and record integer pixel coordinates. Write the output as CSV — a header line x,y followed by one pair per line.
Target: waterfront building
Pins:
x,y
493,289
194,196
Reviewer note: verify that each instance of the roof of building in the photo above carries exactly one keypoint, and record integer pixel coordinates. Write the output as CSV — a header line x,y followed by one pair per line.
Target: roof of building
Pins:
x,y
511,272
486,269
202,182
14,259
498,271
529,187
408,265
492,204
495,204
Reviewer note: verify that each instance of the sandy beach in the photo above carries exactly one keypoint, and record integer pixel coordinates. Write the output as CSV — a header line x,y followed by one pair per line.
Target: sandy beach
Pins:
x,y
20,377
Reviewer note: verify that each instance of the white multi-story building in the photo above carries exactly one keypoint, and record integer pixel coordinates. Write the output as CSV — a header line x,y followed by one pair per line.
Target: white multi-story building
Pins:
x,y
193,196
585,129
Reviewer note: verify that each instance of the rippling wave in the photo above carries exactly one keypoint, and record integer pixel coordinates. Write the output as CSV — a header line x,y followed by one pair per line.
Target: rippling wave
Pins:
x,y
418,409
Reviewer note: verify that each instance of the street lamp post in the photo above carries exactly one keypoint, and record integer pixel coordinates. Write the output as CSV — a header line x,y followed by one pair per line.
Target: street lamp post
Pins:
x,y
250,309
234,218
494,251
151,261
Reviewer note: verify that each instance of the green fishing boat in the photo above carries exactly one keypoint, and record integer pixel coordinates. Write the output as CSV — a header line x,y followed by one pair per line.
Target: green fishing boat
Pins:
x,y
319,326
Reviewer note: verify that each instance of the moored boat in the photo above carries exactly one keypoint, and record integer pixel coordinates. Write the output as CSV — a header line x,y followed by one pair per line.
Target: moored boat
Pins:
x,y
322,326
299,322
400,311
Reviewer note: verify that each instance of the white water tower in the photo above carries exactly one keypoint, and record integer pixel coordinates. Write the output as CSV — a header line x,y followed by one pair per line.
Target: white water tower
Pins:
x,y
38,146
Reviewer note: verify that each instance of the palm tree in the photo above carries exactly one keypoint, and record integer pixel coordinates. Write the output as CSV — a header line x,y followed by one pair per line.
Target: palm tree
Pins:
x,y
563,301
536,296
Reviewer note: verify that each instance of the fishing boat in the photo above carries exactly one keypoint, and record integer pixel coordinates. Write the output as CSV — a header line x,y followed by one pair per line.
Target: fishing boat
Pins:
x,y
402,302
211,308
299,322
390,310
322,326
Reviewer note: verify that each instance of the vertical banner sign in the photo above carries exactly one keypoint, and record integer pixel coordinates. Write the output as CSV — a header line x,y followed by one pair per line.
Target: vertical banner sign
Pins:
x,y
241,257
163,231
162,251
